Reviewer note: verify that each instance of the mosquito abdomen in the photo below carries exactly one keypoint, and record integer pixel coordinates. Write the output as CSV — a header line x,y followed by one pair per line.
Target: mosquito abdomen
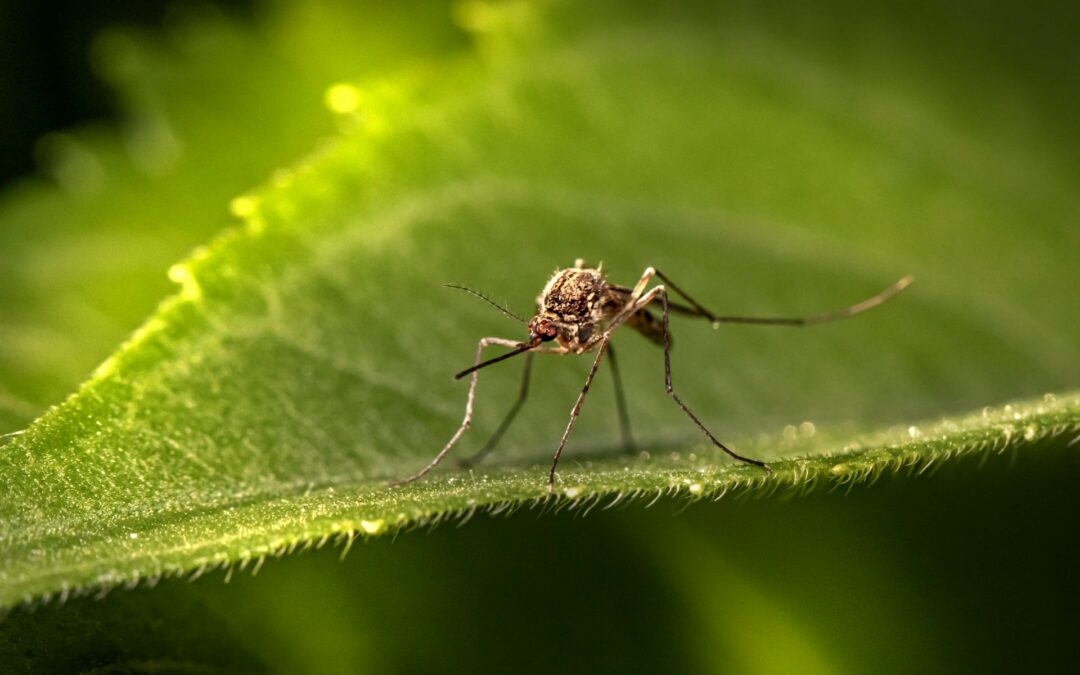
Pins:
x,y
648,325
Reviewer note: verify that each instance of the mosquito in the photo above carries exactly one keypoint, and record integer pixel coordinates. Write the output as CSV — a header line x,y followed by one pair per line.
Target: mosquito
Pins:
x,y
578,310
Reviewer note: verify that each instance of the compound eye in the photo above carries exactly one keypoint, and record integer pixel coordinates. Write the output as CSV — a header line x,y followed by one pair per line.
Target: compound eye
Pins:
x,y
548,332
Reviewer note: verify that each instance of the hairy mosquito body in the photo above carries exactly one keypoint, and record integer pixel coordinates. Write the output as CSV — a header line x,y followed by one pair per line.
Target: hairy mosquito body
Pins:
x,y
578,311
577,301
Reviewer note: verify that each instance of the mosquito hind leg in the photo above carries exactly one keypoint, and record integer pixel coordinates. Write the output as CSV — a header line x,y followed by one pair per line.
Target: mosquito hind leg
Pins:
x,y
662,293
696,309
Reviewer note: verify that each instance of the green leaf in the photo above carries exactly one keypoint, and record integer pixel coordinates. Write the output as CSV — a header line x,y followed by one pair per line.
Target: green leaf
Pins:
x,y
305,360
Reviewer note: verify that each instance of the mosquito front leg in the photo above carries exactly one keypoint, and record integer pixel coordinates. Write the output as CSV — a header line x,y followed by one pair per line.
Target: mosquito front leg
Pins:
x,y
577,408
467,421
523,393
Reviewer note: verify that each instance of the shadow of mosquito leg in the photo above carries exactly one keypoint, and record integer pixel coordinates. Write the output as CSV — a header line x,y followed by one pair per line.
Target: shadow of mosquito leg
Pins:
x,y
620,404
603,345
507,421
671,392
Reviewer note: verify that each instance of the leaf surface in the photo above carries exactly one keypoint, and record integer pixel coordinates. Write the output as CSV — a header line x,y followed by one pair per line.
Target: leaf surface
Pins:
x,y
305,360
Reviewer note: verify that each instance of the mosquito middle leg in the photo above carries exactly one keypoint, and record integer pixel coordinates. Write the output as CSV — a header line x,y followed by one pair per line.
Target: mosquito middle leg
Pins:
x,y
636,299
639,287
467,421
523,393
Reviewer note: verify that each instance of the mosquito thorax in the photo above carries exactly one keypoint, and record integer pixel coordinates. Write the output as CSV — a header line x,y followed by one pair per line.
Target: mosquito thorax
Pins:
x,y
576,300
574,296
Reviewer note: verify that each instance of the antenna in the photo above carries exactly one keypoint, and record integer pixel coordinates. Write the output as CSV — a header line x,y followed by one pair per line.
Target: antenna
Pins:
x,y
489,301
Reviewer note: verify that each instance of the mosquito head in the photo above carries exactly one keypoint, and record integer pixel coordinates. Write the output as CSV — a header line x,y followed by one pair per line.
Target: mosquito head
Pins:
x,y
534,338
543,329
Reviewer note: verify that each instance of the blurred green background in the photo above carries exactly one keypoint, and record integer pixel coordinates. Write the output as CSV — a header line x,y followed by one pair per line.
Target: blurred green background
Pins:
x,y
967,570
